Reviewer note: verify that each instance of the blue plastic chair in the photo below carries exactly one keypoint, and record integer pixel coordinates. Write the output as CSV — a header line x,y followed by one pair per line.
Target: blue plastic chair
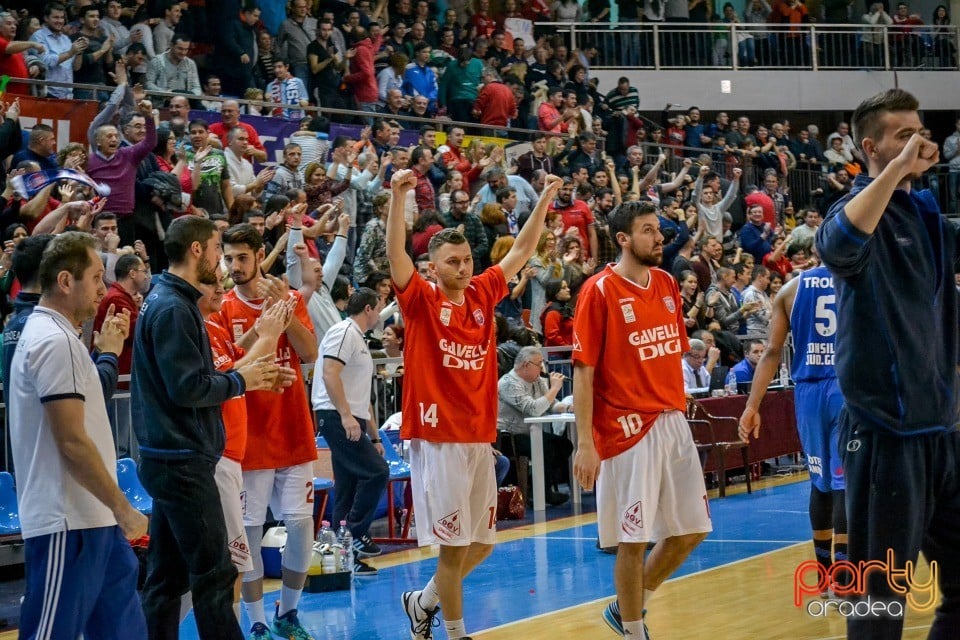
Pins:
x,y
9,512
130,485
399,472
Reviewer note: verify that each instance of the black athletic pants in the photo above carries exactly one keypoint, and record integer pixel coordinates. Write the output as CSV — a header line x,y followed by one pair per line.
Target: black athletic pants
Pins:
x,y
903,494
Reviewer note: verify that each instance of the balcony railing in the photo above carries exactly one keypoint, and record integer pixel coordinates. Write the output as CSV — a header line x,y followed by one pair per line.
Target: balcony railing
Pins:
x,y
809,47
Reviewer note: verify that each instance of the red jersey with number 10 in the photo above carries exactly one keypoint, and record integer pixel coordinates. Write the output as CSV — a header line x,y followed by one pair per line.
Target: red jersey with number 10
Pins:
x,y
279,425
634,337
450,353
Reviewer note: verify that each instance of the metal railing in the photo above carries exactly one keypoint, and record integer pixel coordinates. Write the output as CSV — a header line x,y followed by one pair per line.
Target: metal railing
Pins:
x,y
812,46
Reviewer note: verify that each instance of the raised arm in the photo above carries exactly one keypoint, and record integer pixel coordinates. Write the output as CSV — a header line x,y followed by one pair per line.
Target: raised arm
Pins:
x,y
401,266
526,243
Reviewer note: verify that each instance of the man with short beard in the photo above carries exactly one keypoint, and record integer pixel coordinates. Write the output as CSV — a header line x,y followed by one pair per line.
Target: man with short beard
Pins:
x,y
280,438
176,395
603,205
576,213
630,402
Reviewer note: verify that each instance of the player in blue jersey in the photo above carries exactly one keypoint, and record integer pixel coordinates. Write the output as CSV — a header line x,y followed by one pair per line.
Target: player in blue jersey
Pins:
x,y
807,306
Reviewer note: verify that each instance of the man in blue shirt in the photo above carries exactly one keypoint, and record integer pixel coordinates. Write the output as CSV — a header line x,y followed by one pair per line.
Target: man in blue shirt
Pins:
x,y
419,79
753,350
892,256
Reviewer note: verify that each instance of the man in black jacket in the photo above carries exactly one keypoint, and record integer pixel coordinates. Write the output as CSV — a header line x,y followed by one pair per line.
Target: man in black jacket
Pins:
x,y
236,48
177,394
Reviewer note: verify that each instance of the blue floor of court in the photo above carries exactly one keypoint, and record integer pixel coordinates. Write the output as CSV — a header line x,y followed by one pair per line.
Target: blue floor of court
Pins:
x,y
540,574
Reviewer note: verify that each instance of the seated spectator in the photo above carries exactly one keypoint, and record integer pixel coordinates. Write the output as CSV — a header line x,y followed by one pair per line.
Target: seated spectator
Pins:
x,y
696,313
697,365
174,71
169,157
744,370
320,188
286,176
524,394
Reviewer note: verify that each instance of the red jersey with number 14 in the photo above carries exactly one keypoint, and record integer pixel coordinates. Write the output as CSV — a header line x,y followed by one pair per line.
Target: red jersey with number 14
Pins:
x,y
634,337
450,352
279,425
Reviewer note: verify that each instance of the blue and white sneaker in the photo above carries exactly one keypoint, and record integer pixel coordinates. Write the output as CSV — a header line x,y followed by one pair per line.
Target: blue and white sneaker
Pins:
x,y
611,615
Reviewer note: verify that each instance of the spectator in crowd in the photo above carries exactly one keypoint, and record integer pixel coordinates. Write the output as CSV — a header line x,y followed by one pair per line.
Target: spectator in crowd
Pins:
x,y
236,51
286,177
496,104
41,148
207,177
744,370
557,316
697,364
295,35
524,394
758,322
59,49
287,89
174,71
164,30
327,64
951,153
420,79
362,77
13,63
230,119
91,66
242,178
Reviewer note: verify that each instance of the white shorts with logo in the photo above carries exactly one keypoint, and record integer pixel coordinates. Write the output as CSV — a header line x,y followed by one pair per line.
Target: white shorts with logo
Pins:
x,y
454,493
287,491
229,478
655,489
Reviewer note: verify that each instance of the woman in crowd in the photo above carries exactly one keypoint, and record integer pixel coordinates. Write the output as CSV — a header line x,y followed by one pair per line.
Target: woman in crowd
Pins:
x,y
547,268
696,313
557,317
427,225
170,158
511,307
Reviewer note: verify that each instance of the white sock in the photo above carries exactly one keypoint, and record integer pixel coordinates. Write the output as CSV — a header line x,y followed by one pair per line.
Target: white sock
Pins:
x,y
634,629
430,597
186,604
236,610
255,612
647,596
289,598
455,629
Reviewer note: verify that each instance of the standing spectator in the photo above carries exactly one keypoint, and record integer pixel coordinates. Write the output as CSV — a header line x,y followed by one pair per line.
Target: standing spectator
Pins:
x,y
295,35
326,64
230,119
207,177
74,519
60,50
174,71
903,39
163,32
341,400
362,77
872,36
472,228
242,178
116,166
458,88
535,159
286,176
943,40
552,115
576,214
41,148
111,25
12,61
175,383
421,159
495,103
287,89
420,79
758,322
91,66
236,50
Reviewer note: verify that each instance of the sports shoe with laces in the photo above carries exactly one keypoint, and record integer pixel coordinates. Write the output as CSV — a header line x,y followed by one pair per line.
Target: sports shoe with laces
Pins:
x,y
611,615
288,626
259,631
364,547
422,620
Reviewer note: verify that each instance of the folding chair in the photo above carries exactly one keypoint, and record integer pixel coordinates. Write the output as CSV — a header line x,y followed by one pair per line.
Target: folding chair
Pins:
x,y
696,411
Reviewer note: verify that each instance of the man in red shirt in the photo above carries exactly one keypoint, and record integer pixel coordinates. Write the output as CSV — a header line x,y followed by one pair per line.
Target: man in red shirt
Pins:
x,y
132,283
12,61
420,160
496,104
454,160
230,118
451,355
549,115
278,462
576,213
362,77
633,438
482,20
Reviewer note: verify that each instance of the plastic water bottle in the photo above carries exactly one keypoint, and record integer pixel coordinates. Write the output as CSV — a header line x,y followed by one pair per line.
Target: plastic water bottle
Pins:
x,y
327,539
784,375
730,386
345,540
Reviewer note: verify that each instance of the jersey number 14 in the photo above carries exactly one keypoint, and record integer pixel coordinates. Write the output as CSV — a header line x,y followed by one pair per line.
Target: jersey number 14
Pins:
x,y
428,415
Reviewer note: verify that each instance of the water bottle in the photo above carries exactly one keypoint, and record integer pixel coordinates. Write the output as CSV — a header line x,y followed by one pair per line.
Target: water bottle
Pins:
x,y
784,375
345,539
730,386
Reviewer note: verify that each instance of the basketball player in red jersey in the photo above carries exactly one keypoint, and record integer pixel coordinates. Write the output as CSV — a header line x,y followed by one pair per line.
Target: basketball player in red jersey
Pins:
x,y
450,399
633,439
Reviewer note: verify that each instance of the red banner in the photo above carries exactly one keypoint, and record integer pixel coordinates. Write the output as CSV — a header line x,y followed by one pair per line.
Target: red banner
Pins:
x,y
69,118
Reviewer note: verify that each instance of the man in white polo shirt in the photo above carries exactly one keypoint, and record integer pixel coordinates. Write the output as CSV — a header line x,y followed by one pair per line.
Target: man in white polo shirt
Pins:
x,y
341,399
81,573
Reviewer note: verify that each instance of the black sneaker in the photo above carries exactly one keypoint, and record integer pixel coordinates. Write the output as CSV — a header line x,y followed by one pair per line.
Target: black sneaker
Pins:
x,y
362,569
364,547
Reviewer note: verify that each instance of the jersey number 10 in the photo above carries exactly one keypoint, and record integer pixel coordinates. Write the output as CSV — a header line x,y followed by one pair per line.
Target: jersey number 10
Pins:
x,y
631,424
428,415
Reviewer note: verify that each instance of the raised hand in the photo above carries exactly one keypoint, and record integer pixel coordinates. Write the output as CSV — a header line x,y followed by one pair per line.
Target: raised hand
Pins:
x,y
404,181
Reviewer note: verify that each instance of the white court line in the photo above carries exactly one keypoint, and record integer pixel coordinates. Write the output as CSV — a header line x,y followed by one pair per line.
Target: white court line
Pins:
x,y
607,597
714,540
